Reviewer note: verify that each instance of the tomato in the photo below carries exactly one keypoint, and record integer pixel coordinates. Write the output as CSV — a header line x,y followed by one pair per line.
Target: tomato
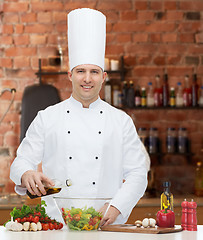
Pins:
x,y
38,214
47,219
56,226
29,218
18,219
60,225
35,219
45,226
23,220
76,217
51,226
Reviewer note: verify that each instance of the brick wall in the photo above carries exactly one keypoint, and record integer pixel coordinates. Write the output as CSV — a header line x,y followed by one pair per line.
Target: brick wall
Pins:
x,y
153,36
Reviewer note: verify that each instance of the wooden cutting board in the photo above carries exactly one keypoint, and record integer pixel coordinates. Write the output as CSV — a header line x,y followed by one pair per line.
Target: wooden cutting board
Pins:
x,y
133,229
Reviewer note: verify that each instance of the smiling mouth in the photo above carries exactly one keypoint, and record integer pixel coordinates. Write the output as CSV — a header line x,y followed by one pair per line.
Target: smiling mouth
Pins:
x,y
86,87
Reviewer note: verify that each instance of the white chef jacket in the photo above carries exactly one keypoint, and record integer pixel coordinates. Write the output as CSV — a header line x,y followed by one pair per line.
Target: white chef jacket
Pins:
x,y
96,147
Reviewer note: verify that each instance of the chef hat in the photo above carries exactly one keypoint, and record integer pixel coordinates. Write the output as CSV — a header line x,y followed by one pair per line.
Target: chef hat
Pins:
x,y
86,37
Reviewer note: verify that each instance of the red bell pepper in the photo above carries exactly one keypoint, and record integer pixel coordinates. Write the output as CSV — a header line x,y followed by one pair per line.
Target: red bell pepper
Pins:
x,y
165,218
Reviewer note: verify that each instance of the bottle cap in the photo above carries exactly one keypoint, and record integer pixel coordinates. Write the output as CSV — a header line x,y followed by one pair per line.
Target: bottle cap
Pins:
x,y
166,184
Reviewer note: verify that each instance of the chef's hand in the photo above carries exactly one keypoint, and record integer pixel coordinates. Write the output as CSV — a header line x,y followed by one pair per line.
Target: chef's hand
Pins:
x,y
110,216
34,182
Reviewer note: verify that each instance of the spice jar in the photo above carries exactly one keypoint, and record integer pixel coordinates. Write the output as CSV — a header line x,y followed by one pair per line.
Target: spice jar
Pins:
x,y
171,140
153,140
182,140
142,132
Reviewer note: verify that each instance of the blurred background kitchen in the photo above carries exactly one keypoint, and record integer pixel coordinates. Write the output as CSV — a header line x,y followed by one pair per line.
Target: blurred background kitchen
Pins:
x,y
154,60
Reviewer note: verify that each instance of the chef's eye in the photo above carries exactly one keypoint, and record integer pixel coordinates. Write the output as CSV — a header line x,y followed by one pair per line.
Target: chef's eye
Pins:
x,y
95,71
80,71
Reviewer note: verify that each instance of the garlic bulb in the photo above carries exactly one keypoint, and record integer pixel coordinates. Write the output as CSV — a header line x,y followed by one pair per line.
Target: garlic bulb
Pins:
x,y
26,226
33,227
39,226
9,224
16,226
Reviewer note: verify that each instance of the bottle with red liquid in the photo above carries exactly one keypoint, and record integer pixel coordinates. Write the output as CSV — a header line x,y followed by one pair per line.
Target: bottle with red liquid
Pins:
x,y
192,216
187,93
158,93
195,88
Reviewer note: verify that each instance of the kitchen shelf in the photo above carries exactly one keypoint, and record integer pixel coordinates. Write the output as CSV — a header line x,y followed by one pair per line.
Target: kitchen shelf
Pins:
x,y
41,73
164,108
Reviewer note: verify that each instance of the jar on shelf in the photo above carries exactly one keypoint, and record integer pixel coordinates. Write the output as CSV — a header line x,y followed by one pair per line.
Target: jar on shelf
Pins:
x,y
171,140
153,140
182,140
143,134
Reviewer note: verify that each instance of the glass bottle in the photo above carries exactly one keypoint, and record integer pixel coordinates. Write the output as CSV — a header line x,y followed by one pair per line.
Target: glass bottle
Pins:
x,y
172,97
116,96
142,132
171,140
153,140
143,97
182,140
158,93
165,91
167,197
150,95
137,97
187,96
195,88
124,93
131,95
179,95
107,91
199,179
52,189
200,102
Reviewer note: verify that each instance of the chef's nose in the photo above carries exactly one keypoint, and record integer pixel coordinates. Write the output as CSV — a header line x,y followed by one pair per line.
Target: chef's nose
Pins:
x,y
87,77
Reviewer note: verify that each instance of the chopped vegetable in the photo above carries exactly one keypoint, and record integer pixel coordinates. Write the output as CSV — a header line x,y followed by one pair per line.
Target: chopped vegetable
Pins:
x,y
82,219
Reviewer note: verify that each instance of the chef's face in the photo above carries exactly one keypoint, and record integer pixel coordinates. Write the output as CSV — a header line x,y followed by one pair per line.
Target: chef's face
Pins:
x,y
86,81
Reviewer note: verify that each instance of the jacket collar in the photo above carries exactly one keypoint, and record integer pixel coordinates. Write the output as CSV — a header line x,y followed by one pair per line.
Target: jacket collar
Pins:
x,y
78,104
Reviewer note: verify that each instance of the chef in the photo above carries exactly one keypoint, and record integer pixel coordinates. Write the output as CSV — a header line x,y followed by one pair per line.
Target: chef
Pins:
x,y
84,138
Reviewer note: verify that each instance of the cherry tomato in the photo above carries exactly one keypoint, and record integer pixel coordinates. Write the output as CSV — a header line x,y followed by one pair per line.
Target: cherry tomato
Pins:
x,y
18,219
60,225
38,214
47,219
56,226
51,226
29,218
45,226
35,219
23,219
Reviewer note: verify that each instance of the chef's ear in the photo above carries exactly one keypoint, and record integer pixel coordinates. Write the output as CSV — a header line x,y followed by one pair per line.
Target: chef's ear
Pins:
x,y
104,76
70,75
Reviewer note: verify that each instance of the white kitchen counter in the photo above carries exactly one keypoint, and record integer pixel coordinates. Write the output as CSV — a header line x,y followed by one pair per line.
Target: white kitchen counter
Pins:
x,y
64,234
